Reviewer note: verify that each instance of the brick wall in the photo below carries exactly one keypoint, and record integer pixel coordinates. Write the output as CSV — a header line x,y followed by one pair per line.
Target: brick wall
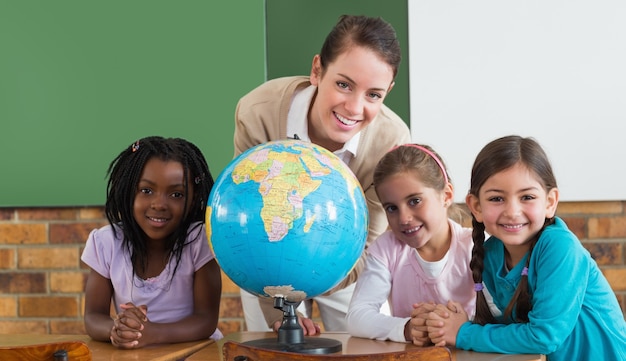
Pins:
x,y
42,278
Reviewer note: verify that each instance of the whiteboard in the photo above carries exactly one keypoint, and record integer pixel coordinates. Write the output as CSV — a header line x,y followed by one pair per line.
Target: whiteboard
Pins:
x,y
551,70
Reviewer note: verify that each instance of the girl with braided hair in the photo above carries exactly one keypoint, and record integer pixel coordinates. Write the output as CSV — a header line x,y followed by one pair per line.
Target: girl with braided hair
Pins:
x,y
153,260
549,295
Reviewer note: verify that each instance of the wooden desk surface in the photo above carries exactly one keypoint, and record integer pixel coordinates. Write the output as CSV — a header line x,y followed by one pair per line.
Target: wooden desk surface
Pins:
x,y
355,346
102,351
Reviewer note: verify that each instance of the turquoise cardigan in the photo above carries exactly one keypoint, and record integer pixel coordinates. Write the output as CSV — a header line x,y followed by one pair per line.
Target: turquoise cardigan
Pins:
x,y
575,314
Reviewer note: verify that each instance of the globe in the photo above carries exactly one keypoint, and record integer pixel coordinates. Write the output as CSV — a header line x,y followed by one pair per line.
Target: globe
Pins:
x,y
287,218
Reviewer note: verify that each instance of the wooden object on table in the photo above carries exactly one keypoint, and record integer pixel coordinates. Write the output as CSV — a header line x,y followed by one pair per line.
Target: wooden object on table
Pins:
x,y
234,351
76,351
104,351
353,346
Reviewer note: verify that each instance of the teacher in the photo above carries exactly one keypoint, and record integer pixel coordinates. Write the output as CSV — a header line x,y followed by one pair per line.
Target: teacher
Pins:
x,y
339,106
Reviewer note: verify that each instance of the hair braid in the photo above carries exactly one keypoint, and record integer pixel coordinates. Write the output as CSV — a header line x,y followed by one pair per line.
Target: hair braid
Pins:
x,y
522,298
483,313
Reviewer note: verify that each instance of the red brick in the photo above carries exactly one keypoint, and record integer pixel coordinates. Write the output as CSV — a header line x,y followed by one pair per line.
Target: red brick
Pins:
x,y
8,306
56,258
7,214
610,227
7,258
45,214
230,307
92,213
23,233
67,282
230,326
24,327
577,225
64,327
616,278
53,306
23,282
68,233
590,208
604,253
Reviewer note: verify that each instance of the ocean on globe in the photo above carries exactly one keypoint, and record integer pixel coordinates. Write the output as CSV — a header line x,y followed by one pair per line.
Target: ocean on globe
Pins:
x,y
287,218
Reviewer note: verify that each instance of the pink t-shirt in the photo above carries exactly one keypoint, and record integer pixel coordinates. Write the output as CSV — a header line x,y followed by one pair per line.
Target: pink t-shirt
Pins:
x,y
393,274
411,284
168,299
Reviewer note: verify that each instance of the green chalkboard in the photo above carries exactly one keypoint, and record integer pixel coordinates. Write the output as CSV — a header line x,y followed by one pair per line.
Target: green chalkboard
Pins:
x,y
296,30
80,80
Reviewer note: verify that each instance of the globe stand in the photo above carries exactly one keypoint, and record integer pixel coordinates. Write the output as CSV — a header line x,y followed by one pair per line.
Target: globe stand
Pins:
x,y
291,337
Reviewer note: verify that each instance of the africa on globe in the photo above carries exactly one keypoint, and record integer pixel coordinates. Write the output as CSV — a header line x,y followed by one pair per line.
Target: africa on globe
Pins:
x,y
287,218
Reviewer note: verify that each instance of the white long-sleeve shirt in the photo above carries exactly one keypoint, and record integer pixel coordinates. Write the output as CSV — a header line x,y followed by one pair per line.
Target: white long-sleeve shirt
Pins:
x,y
393,273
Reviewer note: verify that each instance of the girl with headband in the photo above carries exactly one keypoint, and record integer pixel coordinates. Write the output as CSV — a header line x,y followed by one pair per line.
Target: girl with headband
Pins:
x,y
422,260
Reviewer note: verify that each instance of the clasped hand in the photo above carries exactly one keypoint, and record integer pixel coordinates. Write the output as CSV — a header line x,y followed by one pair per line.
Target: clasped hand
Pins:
x,y
127,326
435,324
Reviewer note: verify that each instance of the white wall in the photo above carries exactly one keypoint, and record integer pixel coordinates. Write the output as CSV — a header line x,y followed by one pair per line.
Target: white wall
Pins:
x,y
553,70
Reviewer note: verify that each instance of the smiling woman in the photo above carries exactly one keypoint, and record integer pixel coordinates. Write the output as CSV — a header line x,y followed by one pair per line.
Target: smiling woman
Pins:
x,y
340,107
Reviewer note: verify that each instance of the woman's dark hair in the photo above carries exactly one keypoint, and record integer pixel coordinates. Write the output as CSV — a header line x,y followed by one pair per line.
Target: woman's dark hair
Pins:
x,y
369,32
499,155
124,173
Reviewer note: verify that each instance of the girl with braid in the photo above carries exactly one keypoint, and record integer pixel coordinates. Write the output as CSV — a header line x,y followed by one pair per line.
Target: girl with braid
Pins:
x,y
423,259
550,297
153,261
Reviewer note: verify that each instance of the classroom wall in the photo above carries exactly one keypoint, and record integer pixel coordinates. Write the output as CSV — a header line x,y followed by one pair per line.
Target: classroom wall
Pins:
x,y
42,279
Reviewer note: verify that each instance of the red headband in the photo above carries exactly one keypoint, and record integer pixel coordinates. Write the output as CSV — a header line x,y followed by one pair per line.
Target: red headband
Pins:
x,y
431,154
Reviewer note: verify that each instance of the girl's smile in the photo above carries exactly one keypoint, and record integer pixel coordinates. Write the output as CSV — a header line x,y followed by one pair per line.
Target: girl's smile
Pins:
x,y
157,222
513,205
160,200
416,213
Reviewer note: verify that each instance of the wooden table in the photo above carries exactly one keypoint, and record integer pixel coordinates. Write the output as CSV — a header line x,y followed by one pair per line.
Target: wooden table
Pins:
x,y
104,351
355,346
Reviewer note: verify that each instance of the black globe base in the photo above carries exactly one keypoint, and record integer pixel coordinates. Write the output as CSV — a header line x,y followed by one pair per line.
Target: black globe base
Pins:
x,y
291,337
310,345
